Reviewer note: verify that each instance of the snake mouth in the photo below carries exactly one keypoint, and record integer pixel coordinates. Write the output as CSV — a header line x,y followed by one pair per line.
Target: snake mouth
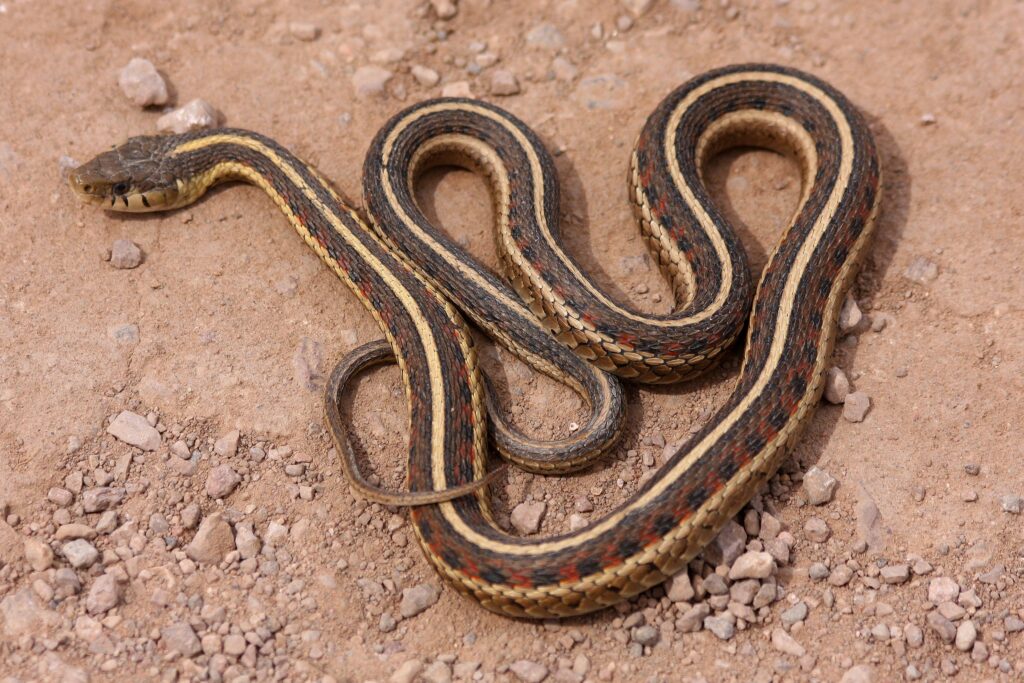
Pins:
x,y
118,194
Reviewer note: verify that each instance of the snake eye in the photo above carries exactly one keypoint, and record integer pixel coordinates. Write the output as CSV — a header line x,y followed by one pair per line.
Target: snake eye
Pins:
x,y
121,188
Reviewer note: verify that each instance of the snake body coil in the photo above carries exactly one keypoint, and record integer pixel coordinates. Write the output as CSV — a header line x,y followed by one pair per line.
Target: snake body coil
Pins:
x,y
713,474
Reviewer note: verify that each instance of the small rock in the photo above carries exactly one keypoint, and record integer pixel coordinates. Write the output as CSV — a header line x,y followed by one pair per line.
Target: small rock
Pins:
x,y
529,672
693,618
856,406
197,114
818,571
679,588
895,574
942,626
837,386
942,589
142,83
817,530
38,554
246,541
1012,504
840,576
870,530
125,255
67,583
728,544
182,639
304,31
752,565
60,497
234,645
921,270
786,644
276,534
862,673
850,316
134,430
444,9
190,516
819,486
104,595
107,523
425,76
437,672
457,89
526,517
714,584
545,36
722,627
504,83
370,80
80,553
744,592
637,7
221,481
227,444
387,623
407,672
212,541
966,634
417,599
563,69
212,644
914,635
794,614
646,635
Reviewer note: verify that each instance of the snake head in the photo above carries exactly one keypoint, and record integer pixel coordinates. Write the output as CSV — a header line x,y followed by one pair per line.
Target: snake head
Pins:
x,y
131,177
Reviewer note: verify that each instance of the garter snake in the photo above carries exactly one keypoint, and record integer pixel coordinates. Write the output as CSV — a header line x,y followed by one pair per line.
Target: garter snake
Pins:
x,y
790,334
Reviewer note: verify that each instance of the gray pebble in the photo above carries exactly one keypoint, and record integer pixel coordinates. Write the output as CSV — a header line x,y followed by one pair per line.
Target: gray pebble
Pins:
x,y
529,672
794,614
545,36
418,599
722,627
819,486
856,406
181,638
526,517
1012,504
104,595
125,255
80,553
142,83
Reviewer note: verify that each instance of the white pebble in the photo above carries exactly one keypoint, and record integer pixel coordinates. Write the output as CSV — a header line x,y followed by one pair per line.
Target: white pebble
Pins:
x,y
504,83
837,386
370,80
856,406
425,76
142,84
195,115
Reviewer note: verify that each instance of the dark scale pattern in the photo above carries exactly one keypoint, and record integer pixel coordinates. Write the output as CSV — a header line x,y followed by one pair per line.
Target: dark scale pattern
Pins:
x,y
792,382
603,394
719,330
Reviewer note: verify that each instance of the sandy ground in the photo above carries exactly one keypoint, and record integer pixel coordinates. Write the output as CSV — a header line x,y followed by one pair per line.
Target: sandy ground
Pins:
x,y
233,316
